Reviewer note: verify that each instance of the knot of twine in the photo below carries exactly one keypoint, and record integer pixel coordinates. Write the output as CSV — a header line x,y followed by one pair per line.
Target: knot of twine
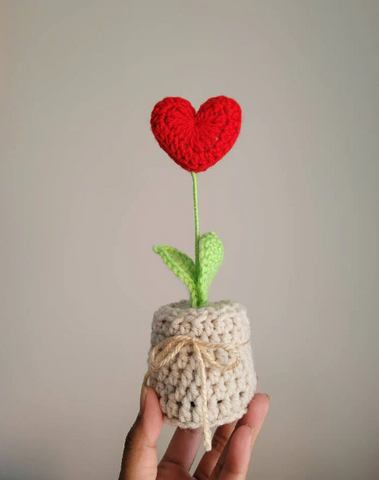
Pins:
x,y
164,352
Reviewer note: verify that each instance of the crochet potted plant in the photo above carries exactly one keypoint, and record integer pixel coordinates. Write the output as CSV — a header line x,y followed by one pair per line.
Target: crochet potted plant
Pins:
x,y
200,360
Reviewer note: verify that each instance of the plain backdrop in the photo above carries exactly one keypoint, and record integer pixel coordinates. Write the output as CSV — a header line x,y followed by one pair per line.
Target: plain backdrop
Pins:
x,y
86,191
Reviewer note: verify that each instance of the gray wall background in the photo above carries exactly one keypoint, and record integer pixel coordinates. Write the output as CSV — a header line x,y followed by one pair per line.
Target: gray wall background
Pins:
x,y
85,192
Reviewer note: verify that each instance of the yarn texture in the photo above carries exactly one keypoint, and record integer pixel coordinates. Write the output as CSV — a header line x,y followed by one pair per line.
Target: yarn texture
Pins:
x,y
196,141
202,368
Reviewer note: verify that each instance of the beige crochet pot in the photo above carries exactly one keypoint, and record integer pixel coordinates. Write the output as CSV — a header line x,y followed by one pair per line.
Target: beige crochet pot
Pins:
x,y
201,364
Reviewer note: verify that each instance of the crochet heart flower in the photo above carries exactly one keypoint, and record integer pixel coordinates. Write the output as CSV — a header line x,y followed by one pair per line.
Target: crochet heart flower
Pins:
x,y
196,141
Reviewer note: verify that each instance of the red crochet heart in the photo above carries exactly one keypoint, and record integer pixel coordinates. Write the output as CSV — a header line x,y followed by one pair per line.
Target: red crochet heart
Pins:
x,y
196,141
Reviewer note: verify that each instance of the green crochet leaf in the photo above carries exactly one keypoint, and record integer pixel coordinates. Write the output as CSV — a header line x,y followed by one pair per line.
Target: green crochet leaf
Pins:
x,y
183,267
211,257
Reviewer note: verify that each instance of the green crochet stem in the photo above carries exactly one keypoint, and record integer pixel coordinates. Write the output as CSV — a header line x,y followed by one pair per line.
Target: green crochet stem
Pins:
x,y
209,253
197,228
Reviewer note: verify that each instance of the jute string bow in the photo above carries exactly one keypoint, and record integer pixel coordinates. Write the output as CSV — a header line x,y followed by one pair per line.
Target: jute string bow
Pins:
x,y
164,352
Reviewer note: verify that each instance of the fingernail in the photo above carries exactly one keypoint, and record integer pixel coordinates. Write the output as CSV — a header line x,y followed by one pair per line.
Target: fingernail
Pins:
x,y
143,399
267,395
250,426
251,434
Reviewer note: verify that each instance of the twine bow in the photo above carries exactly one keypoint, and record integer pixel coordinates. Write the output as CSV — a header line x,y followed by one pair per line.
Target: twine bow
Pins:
x,y
164,352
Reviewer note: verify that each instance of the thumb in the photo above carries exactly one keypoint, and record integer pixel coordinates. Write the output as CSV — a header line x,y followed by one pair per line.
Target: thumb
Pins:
x,y
140,454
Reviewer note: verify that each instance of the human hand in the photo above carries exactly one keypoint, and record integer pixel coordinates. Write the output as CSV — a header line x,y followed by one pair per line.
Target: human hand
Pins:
x,y
228,460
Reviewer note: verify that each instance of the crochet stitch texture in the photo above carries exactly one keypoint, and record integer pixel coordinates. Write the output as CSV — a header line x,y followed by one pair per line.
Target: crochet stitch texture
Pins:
x,y
196,141
179,383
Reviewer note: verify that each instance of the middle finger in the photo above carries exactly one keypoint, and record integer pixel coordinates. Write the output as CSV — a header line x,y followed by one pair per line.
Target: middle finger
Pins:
x,y
209,460
183,448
